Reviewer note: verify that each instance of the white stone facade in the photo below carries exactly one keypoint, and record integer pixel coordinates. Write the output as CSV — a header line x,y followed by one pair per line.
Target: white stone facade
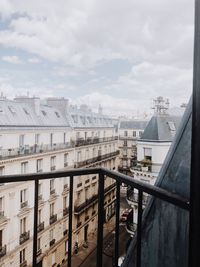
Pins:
x,y
46,144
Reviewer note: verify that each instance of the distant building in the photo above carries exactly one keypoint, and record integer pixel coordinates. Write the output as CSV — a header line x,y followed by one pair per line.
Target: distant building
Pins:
x,y
129,132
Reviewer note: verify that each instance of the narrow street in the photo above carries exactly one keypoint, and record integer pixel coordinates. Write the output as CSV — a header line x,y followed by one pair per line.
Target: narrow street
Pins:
x,y
109,240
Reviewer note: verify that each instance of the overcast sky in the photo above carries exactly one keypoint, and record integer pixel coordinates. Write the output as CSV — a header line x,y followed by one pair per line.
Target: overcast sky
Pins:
x,y
118,53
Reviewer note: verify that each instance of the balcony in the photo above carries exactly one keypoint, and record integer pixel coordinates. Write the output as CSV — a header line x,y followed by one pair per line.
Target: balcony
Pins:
x,y
65,211
65,232
24,237
24,204
52,242
30,150
2,251
39,252
95,159
100,173
52,191
40,227
23,264
78,224
53,219
95,140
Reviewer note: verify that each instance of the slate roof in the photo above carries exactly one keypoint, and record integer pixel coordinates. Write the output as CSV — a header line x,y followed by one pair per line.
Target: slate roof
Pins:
x,y
161,128
19,113
133,125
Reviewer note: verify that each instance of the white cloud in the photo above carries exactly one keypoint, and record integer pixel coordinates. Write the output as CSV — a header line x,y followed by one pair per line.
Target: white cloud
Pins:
x,y
74,36
12,59
34,60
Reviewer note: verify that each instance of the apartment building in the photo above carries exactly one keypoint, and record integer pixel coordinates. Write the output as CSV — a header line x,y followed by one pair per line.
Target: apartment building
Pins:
x,y
129,132
40,138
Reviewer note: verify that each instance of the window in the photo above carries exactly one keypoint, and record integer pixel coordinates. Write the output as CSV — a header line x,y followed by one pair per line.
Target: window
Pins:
x,y
24,167
140,133
39,164
52,209
23,195
57,114
37,139
26,111
39,243
2,170
12,110
53,258
44,112
171,126
1,238
79,156
22,256
64,138
65,159
134,133
53,163
147,152
51,234
65,204
21,140
39,189
125,133
39,216
1,206
66,246
23,225
51,139
125,142
65,181
52,185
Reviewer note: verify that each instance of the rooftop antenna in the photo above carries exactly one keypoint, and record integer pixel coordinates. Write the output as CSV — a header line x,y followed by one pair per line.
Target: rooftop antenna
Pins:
x,y
160,106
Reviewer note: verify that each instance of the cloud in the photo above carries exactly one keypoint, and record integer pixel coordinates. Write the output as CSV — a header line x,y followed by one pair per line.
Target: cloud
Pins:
x,y
12,59
75,37
34,60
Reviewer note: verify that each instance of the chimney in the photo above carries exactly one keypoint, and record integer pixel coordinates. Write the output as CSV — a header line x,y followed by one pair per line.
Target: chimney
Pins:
x,y
61,104
34,102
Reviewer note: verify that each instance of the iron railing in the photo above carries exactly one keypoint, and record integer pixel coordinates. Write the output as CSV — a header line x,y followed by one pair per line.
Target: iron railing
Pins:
x,y
37,149
102,173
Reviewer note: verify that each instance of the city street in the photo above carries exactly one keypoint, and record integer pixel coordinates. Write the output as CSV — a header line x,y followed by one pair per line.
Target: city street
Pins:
x,y
109,242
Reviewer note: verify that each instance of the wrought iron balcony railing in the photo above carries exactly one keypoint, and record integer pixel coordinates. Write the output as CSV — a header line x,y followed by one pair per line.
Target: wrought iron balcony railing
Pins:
x,y
53,219
40,227
95,159
24,237
101,173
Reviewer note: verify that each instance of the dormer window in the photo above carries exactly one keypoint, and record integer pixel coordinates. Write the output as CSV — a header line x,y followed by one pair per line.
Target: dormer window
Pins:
x,y
44,112
12,110
57,114
25,111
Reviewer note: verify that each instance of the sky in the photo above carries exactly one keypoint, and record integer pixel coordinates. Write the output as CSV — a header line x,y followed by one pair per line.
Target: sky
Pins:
x,y
120,54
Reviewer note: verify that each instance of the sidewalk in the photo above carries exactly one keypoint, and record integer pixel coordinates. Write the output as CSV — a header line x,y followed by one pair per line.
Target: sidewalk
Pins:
x,y
83,253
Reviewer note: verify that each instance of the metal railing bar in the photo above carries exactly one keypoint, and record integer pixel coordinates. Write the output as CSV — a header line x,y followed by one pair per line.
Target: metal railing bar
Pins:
x,y
139,228
194,230
117,223
70,220
100,221
35,225
149,189
47,175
